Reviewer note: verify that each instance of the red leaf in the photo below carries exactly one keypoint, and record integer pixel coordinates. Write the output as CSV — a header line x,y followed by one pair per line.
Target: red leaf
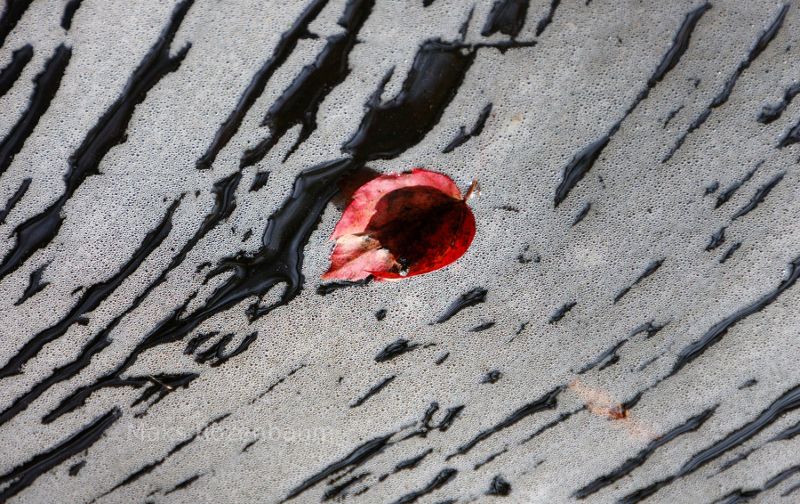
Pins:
x,y
401,225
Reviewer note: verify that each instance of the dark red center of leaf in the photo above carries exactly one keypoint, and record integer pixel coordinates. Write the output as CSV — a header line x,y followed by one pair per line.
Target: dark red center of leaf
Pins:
x,y
423,228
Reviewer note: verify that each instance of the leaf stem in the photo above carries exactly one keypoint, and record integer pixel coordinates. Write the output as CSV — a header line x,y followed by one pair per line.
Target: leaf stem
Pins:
x,y
474,189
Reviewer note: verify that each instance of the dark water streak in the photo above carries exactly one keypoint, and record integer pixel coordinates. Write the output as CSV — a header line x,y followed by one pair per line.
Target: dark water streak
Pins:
x,y
546,402
649,270
259,181
389,128
91,298
463,137
506,17
755,51
759,196
183,484
46,85
286,45
441,479
582,214
716,239
354,459
582,162
14,199
713,335
728,193
471,298
787,402
69,12
35,284
38,231
374,390
770,113
627,467
562,311
548,18
728,253
23,475
499,487
225,202
299,103
11,72
338,490
395,349
148,468
279,260
12,13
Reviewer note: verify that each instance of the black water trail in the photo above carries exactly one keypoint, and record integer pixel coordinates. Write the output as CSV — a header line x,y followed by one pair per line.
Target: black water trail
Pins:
x,y
198,340
506,17
604,358
791,137
91,297
582,162
787,402
69,12
11,72
146,469
649,270
471,298
22,476
770,113
412,462
760,45
548,18
75,468
787,433
337,490
286,44
444,477
12,13
546,427
546,402
489,459
259,181
716,239
395,349
300,102
582,214
741,495
483,327
759,196
389,128
35,284
724,196
217,350
374,390
278,261
627,467
463,137
184,484
562,311
499,486
46,86
224,192
38,231
14,199
354,459
718,330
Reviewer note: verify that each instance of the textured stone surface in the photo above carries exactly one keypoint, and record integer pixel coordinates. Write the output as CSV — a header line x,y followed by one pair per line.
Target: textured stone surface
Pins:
x,y
631,344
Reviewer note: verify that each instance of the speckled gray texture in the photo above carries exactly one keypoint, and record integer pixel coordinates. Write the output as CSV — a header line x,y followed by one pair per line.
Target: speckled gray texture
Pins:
x,y
579,395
